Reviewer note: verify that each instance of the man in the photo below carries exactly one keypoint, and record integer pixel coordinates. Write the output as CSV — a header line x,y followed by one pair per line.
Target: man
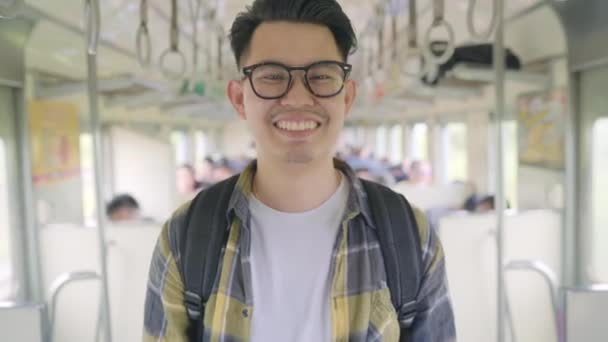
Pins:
x,y
302,260
123,208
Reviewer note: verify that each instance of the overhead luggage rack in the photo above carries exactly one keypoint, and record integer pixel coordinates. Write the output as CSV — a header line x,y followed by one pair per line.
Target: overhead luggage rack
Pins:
x,y
483,73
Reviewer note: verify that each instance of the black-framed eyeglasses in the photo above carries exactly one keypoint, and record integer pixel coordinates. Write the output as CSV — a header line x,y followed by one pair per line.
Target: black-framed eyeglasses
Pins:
x,y
272,80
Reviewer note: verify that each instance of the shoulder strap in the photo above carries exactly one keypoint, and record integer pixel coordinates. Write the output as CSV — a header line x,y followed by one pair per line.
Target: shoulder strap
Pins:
x,y
200,246
400,243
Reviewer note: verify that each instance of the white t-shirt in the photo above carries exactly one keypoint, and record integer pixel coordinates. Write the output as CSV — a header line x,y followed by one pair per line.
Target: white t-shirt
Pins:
x,y
291,255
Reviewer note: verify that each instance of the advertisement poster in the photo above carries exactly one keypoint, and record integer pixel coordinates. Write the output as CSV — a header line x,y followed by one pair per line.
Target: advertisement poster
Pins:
x,y
55,142
541,121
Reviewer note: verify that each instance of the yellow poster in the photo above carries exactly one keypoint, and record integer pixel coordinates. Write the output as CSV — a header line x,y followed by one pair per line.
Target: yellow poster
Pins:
x,y
55,141
541,129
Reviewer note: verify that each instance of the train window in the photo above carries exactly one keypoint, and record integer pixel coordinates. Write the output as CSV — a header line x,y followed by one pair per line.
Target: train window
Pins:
x,y
5,253
396,143
201,145
381,145
179,139
600,199
420,143
455,135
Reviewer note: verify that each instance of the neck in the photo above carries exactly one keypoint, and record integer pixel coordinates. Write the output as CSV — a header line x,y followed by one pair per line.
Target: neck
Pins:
x,y
292,187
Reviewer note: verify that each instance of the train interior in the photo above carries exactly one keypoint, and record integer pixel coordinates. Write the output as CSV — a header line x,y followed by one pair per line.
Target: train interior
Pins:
x,y
121,104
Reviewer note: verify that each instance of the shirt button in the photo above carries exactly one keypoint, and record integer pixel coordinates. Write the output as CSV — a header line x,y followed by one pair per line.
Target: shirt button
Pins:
x,y
245,313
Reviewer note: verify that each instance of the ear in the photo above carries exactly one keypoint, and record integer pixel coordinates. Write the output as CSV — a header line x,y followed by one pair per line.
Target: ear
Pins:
x,y
350,91
234,90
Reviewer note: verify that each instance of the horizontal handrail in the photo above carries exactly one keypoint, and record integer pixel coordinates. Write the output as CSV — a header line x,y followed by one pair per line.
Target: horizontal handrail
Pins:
x,y
57,287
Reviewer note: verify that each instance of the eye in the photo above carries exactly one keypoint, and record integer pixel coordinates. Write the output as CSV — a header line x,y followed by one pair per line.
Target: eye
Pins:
x,y
274,77
323,77
270,74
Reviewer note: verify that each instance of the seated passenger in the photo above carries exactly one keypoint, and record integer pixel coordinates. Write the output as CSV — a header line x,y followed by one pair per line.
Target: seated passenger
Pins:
x,y
223,170
487,203
186,183
204,172
398,173
123,208
421,173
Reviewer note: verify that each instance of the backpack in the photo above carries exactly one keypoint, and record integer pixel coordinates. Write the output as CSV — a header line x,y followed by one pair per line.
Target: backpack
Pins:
x,y
476,54
206,231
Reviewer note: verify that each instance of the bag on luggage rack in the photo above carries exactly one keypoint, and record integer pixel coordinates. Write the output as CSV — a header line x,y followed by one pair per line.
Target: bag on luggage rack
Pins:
x,y
478,54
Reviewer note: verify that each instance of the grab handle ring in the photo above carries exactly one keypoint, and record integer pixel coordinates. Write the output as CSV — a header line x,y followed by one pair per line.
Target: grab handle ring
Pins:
x,y
438,22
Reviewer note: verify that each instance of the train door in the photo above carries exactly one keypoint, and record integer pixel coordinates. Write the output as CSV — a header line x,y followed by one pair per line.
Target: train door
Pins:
x,y
594,166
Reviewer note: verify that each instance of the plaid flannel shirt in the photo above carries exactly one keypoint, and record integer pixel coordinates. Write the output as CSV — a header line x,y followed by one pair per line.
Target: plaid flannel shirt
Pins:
x,y
361,307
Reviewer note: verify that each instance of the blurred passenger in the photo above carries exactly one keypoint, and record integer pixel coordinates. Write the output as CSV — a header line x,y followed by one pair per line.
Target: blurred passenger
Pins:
x,y
421,172
223,170
385,162
398,173
487,203
470,203
123,208
239,164
187,185
204,172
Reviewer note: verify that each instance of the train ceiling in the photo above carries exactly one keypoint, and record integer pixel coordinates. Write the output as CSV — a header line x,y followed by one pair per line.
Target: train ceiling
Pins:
x,y
63,56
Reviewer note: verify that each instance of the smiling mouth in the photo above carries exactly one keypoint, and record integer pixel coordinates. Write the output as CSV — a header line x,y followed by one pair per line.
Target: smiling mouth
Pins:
x,y
297,126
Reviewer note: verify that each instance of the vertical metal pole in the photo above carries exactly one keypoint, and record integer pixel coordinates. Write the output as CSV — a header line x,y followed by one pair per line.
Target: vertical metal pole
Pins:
x,y
92,17
499,67
35,288
571,246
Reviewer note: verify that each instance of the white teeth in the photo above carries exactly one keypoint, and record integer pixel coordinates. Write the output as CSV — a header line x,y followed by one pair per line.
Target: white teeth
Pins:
x,y
297,126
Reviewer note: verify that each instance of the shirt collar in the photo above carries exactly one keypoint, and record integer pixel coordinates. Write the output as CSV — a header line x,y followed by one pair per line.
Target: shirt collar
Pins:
x,y
357,199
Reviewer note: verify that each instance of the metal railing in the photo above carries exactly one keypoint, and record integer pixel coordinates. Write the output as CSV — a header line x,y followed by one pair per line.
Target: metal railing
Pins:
x,y
552,282
57,288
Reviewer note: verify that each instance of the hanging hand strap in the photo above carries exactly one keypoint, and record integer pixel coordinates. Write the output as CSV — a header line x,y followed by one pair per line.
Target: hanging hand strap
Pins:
x,y
483,35
439,21
143,43
173,48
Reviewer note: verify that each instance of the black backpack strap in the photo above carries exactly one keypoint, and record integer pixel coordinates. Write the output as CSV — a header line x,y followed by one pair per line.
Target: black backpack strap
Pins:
x,y
200,246
400,243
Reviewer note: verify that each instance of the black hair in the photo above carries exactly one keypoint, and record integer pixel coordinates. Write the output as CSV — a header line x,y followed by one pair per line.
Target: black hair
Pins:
x,y
323,12
121,201
470,203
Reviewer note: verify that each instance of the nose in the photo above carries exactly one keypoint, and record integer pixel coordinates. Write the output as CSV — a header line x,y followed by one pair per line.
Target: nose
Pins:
x,y
298,94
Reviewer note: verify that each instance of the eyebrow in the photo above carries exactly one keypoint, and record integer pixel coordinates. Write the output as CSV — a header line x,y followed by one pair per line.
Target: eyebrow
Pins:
x,y
291,65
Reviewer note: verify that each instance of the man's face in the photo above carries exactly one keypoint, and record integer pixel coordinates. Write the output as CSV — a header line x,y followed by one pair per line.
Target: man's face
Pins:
x,y
277,124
